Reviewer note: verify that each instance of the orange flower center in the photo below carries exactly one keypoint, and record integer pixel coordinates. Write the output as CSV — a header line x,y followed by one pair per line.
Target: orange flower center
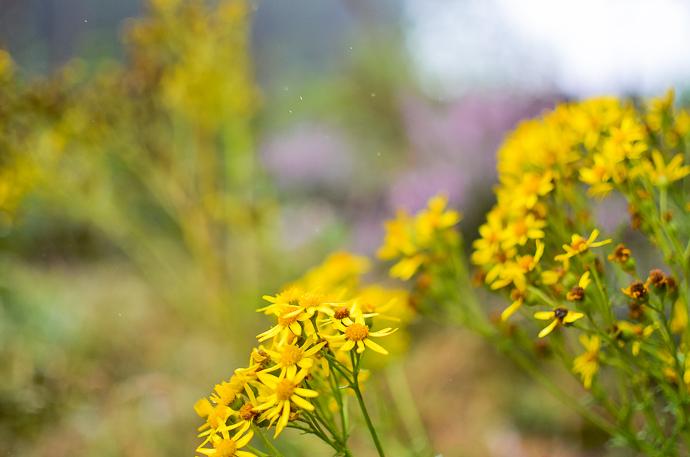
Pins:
x,y
526,262
286,321
356,332
520,228
579,244
284,389
341,312
225,448
290,355
247,412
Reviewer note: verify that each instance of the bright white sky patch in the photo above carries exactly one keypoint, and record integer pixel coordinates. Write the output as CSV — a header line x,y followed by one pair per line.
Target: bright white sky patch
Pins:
x,y
581,47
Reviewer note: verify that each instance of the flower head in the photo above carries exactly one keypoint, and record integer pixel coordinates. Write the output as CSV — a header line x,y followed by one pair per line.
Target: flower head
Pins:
x,y
559,315
588,363
226,446
578,245
283,393
358,334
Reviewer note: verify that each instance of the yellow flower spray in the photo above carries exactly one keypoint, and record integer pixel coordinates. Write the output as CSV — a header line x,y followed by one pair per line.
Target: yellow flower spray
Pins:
x,y
541,251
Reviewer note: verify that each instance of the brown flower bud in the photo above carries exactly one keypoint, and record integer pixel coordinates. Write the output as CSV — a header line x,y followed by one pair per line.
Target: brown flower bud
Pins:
x,y
576,294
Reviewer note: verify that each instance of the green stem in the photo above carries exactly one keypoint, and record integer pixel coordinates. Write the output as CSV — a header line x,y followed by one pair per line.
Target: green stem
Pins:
x,y
360,399
266,442
404,402
256,451
341,407
319,431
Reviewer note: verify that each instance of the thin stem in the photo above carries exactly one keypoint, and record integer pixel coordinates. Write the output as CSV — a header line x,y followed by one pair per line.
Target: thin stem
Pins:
x,y
256,451
404,402
319,431
360,399
266,442
341,407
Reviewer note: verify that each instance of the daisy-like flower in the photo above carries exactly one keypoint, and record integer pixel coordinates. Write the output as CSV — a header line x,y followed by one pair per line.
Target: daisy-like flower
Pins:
x,y
620,255
588,363
340,316
246,415
578,245
637,291
357,334
290,296
227,446
435,218
215,416
559,315
311,303
283,392
525,228
407,237
662,174
289,319
225,393
531,188
515,271
290,356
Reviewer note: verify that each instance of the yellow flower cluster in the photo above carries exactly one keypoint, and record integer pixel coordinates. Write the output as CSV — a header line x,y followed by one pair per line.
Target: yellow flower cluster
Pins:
x,y
539,247
415,240
603,143
197,58
310,355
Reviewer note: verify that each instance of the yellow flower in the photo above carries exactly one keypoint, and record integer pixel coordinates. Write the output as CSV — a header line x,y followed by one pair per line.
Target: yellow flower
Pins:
x,y
560,314
588,363
399,237
290,356
531,188
408,266
289,318
215,416
518,232
515,271
409,237
578,245
659,111
637,291
225,394
290,296
284,392
435,218
357,334
310,303
630,131
226,446
599,175
578,292
661,174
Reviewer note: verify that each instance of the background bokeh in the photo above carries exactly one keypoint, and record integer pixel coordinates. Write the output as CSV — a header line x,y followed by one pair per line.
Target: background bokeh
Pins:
x,y
193,161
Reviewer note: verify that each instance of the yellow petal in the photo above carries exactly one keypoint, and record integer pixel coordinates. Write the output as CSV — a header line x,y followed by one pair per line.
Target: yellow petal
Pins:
x,y
375,347
548,329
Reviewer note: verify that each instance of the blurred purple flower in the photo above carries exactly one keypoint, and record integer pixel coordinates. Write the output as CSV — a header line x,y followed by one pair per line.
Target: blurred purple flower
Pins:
x,y
308,154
